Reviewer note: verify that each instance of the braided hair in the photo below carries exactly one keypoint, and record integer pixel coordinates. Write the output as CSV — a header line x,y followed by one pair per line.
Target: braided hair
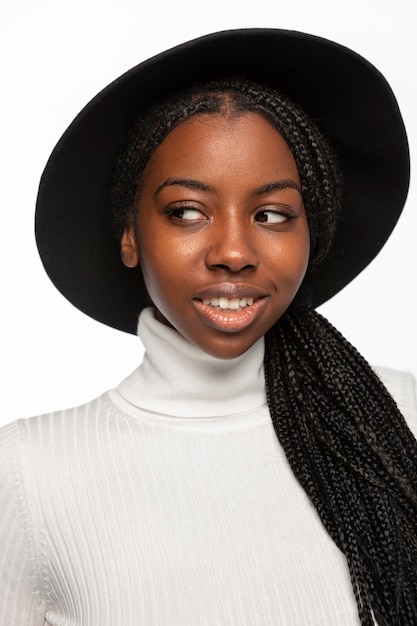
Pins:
x,y
318,175
344,437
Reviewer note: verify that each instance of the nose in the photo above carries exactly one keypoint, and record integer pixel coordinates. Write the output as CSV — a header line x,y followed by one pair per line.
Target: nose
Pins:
x,y
232,247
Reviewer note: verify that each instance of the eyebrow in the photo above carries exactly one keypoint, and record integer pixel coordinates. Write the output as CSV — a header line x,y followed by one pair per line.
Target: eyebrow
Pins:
x,y
277,185
190,183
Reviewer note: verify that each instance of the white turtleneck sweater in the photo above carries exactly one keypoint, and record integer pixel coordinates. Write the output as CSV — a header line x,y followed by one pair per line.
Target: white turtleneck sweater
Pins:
x,y
167,501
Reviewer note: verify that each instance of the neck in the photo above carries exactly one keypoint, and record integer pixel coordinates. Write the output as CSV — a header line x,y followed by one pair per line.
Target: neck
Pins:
x,y
177,378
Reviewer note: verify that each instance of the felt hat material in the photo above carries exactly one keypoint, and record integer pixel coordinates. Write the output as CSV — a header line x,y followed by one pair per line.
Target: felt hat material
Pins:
x,y
347,97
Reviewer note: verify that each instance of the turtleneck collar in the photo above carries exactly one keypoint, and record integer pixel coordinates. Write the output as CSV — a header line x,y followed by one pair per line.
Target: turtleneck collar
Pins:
x,y
177,378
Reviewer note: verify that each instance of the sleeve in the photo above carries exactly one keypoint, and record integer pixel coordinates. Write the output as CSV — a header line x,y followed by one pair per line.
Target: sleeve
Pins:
x,y
403,388
20,594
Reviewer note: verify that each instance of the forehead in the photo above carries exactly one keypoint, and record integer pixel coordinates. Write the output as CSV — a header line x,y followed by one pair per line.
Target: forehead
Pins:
x,y
243,144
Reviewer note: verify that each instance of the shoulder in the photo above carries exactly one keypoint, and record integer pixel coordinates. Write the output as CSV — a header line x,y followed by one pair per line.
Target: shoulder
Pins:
x,y
45,434
42,456
403,388
9,439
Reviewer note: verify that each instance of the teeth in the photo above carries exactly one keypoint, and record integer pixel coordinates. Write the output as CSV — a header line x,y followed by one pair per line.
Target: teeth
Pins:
x,y
229,303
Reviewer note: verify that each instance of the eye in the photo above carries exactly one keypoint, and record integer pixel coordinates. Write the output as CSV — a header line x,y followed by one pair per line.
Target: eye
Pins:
x,y
270,216
188,214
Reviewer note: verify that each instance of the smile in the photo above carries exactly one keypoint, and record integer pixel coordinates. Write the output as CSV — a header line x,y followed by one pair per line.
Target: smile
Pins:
x,y
230,315
229,303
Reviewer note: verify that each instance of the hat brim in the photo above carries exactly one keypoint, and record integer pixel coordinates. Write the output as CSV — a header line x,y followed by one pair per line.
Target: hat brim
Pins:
x,y
347,97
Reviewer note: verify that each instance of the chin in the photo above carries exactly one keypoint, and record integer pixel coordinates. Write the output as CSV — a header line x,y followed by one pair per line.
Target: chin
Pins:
x,y
227,349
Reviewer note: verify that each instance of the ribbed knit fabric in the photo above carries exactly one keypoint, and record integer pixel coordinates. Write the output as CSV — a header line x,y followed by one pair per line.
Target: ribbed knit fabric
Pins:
x,y
167,501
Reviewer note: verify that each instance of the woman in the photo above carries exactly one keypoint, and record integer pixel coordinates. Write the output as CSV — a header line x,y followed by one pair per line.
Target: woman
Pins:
x,y
253,469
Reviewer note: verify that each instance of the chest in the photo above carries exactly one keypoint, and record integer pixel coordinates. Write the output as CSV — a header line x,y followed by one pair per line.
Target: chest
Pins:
x,y
184,527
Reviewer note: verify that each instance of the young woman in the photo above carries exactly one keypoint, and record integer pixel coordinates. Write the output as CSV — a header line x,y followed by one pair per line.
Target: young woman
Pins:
x,y
254,469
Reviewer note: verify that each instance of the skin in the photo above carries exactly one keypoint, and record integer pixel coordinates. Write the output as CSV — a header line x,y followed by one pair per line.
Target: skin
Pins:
x,y
220,214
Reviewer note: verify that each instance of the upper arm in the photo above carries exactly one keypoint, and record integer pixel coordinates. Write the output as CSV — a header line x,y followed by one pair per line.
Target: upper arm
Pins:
x,y
403,388
20,595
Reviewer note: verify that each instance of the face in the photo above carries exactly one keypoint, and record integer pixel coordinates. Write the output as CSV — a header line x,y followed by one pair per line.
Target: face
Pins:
x,y
221,233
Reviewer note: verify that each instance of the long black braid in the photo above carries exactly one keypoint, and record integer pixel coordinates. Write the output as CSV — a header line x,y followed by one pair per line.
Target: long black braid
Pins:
x,y
351,450
344,437
318,174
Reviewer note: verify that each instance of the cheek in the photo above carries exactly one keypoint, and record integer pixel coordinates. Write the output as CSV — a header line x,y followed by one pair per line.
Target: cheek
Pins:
x,y
304,244
293,257
170,258
154,267
304,252
161,273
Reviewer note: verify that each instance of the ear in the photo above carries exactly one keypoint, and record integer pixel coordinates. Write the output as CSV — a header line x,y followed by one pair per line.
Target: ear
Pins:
x,y
129,248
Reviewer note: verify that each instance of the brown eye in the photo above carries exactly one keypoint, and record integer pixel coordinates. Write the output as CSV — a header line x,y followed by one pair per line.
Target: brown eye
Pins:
x,y
270,217
190,214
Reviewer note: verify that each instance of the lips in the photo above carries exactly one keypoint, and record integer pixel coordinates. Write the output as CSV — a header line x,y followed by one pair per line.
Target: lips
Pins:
x,y
230,307
231,291
229,303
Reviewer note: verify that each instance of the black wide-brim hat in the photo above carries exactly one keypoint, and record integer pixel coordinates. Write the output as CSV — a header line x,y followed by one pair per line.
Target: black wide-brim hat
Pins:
x,y
347,97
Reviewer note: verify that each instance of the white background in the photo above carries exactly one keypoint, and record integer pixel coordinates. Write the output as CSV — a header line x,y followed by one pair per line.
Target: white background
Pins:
x,y
55,56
